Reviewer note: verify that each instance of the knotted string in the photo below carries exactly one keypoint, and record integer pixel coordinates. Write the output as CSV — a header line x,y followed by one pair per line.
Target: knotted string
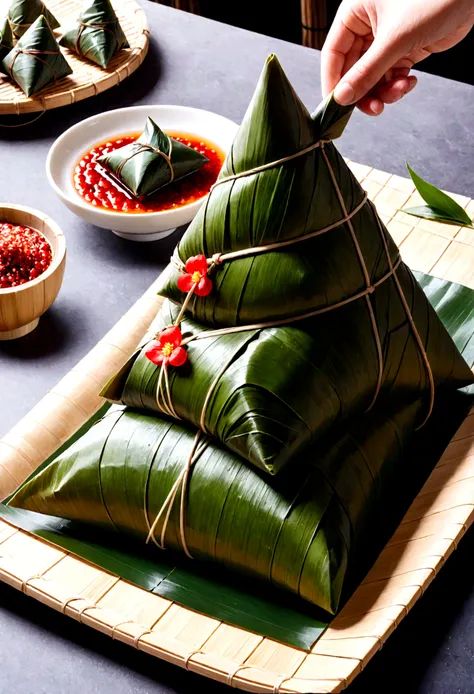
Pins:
x,y
164,393
14,24
92,25
35,53
144,147
199,446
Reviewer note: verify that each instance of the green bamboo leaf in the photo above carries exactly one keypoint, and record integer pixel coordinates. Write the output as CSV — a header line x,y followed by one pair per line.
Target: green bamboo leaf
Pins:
x,y
441,206
30,73
145,171
6,38
22,14
426,212
99,31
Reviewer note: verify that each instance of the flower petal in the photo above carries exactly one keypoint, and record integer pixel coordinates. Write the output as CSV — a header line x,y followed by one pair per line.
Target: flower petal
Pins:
x,y
172,335
178,356
203,287
197,263
154,353
185,283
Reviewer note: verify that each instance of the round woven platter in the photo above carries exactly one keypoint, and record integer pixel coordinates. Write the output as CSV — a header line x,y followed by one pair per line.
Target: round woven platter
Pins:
x,y
87,78
427,535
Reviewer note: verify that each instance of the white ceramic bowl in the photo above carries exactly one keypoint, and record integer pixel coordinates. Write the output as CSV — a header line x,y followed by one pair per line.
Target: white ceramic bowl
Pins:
x,y
71,145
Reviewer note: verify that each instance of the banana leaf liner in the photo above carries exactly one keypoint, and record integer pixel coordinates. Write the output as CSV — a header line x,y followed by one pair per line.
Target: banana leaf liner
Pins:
x,y
318,318
6,38
24,13
36,60
153,161
97,36
292,531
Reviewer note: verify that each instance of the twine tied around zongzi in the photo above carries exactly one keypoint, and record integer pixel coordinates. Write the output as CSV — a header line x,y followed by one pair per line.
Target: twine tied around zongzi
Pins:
x,y
28,24
35,53
145,147
200,444
92,25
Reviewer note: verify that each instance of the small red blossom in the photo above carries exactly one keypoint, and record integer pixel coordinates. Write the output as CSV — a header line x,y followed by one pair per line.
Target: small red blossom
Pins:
x,y
167,348
195,276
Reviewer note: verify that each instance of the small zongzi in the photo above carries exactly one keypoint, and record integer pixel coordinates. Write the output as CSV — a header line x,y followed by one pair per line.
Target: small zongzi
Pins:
x,y
97,35
151,162
6,38
36,60
23,13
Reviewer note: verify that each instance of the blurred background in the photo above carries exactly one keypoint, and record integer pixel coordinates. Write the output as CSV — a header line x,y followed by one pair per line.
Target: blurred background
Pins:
x,y
307,22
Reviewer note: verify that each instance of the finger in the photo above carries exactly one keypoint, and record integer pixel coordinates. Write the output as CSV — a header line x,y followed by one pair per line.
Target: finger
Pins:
x,y
339,43
393,91
381,57
354,54
371,106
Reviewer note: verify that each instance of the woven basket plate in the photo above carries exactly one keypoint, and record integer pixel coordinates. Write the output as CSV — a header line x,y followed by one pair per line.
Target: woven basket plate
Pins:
x,y
87,78
428,534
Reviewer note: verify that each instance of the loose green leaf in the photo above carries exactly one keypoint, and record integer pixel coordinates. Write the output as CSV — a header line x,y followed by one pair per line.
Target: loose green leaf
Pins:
x,y
46,64
441,207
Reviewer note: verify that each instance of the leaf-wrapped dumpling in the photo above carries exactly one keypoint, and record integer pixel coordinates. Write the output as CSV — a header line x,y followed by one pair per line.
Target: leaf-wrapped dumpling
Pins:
x,y
6,38
24,13
153,161
36,60
296,531
97,35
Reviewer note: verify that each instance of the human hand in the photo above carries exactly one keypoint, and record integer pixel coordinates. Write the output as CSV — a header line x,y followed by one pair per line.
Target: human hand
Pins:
x,y
373,44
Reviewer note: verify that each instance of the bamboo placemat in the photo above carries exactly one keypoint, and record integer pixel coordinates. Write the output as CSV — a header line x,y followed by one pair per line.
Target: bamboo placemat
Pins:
x,y
429,532
87,78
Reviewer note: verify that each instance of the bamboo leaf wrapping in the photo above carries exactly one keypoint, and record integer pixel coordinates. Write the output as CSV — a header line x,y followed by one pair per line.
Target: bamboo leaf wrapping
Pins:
x,y
141,169
36,60
295,531
270,392
24,13
6,38
97,35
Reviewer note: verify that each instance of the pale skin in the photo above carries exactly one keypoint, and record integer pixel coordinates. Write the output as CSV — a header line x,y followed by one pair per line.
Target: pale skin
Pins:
x,y
373,44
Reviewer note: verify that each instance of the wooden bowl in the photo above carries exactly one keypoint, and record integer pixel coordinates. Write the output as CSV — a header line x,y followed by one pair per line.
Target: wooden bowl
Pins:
x,y
21,307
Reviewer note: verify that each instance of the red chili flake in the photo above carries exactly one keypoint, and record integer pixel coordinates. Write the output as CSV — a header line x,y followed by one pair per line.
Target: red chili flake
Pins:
x,y
167,348
24,255
195,276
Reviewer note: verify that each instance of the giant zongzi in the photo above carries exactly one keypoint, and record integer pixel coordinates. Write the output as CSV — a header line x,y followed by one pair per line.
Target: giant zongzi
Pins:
x,y
36,60
97,35
314,316
152,161
23,13
152,479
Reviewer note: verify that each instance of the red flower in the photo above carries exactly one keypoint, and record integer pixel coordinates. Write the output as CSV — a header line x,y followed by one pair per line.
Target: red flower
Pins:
x,y
167,348
196,276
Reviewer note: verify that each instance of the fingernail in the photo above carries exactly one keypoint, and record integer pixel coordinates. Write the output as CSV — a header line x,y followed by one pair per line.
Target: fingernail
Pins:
x,y
413,82
344,94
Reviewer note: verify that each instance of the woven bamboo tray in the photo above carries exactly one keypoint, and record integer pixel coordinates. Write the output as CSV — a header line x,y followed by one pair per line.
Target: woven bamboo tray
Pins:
x,y
87,78
428,534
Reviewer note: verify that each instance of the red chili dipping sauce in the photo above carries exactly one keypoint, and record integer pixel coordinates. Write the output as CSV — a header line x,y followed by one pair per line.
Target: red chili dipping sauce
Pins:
x,y
24,255
104,193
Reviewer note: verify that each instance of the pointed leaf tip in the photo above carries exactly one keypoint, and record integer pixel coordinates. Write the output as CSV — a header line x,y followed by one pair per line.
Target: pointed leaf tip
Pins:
x,y
442,206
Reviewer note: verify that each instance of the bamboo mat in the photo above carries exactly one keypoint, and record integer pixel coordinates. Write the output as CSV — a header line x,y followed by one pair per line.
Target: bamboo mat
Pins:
x,y
430,531
87,78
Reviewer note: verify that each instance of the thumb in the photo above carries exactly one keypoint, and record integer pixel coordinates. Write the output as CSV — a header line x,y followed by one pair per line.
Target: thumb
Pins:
x,y
382,55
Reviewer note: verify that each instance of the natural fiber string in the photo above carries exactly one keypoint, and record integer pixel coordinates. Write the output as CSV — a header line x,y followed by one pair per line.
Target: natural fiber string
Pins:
x,y
120,624
138,637
24,125
234,673
191,655
375,329
219,258
14,24
197,450
35,577
35,53
144,147
413,327
92,25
